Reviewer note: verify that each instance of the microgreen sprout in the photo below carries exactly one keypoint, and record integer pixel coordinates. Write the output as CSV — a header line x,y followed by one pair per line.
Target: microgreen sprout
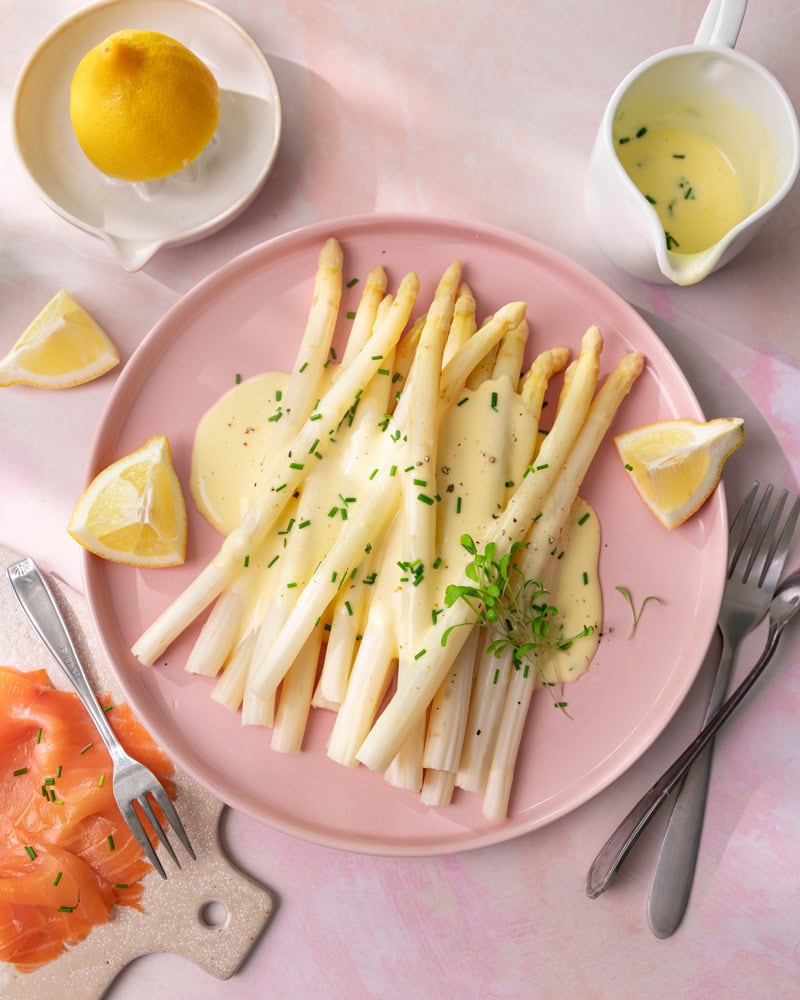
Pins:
x,y
636,615
515,609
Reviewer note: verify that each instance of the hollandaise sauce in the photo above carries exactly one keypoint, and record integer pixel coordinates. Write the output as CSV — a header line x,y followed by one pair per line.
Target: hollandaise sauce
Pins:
x,y
483,449
688,180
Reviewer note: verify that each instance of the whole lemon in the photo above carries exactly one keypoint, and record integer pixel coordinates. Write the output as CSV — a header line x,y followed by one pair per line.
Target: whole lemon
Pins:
x,y
142,105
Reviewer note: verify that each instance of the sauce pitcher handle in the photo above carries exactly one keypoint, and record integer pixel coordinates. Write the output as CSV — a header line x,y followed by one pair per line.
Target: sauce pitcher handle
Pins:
x,y
721,23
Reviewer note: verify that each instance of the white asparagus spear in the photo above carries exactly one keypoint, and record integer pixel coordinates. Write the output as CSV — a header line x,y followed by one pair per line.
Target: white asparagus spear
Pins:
x,y
419,509
294,701
463,325
492,672
375,658
534,562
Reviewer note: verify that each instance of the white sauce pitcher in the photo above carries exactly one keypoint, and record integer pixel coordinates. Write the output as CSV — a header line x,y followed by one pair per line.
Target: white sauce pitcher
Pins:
x,y
710,87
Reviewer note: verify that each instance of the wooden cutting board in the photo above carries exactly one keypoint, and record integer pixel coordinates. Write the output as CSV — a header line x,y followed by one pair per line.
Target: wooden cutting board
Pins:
x,y
208,912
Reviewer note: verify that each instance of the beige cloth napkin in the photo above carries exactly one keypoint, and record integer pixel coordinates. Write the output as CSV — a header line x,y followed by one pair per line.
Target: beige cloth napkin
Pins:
x,y
173,918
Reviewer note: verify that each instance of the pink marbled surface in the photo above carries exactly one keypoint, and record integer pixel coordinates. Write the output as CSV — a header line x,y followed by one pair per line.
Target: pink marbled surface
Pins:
x,y
484,112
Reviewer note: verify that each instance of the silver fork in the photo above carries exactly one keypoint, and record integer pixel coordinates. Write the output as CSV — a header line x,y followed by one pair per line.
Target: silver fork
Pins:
x,y
756,553
133,783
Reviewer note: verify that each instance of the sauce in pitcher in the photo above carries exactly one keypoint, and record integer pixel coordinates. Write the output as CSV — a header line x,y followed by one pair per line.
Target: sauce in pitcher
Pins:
x,y
691,184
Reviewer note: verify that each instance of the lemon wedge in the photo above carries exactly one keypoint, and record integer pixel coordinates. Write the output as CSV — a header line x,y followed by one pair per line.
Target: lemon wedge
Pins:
x,y
62,347
676,464
133,511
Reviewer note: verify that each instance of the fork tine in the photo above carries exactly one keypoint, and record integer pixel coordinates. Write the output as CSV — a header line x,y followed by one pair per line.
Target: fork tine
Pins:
x,y
147,809
764,545
131,817
173,819
774,567
752,535
740,528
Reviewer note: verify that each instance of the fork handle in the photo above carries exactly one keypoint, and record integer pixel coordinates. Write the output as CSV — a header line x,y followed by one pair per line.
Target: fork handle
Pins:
x,y
675,866
616,848
40,606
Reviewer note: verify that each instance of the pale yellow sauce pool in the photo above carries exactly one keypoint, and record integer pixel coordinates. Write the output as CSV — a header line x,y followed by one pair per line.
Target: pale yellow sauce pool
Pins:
x,y
691,184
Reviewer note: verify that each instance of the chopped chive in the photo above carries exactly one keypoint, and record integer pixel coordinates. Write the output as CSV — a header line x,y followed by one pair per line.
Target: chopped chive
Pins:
x,y
87,747
19,771
651,199
462,401
49,781
623,140
106,709
420,482
384,371
315,416
272,561
509,483
351,282
281,487
689,194
397,377
543,466
585,579
120,885
303,367
494,401
584,518
671,241
374,473
296,465
290,586
66,909
420,654
629,467
393,470
376,357
303,524
39,735
278,395
351,314
496,675
424,498
237,378
642,131
458,505
57,879
110,842
437,562
313,447
30,852
679,156
348,608
101,781
246,561
559,704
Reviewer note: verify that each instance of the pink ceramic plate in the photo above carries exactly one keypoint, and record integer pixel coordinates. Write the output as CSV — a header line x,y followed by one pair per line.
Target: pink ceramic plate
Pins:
x,y
247,318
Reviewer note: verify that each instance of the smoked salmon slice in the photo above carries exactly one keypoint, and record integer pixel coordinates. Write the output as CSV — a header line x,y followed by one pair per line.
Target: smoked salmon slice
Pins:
x,y
66,855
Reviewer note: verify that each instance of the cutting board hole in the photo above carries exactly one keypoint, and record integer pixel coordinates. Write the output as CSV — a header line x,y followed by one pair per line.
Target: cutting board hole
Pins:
x,y
214,913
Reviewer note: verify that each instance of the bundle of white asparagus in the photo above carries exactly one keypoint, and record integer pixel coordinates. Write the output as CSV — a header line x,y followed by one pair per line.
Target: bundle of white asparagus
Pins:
x,y
348,615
